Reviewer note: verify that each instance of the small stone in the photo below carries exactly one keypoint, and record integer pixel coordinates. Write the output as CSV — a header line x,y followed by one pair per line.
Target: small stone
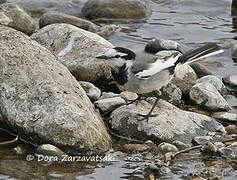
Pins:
x,y
228,152
50,150
231,129
230,80
136,147
128,96
107,105
201,140
225,116
180,145
166,147
219,145
106,95
206,95
200,69
216,82
209,147
91,91
157,45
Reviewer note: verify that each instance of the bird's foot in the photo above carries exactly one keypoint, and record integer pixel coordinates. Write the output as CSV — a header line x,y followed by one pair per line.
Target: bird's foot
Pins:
x,y
146,116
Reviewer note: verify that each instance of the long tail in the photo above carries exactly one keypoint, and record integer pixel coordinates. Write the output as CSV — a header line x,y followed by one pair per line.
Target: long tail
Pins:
x,y
199,53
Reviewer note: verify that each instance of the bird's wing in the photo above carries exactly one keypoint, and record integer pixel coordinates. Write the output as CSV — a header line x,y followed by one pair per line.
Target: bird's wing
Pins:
x,y
146,70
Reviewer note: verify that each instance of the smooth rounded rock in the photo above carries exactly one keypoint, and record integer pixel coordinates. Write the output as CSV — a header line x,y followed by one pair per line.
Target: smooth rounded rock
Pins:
x,y
91,91
19,19
106,105
206,95
115,9
42,101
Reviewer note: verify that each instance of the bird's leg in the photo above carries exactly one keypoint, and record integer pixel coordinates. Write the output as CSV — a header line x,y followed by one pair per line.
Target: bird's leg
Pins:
x,y
146,116
134,100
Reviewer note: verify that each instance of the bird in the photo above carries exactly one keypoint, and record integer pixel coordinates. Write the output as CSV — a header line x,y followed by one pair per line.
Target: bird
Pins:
x,y
146,73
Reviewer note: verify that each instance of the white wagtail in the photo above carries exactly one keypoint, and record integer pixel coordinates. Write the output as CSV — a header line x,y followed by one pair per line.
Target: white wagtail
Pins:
x,y
144,73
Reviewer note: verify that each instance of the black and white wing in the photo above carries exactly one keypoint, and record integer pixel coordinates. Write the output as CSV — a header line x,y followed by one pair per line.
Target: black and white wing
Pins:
x,y
145,70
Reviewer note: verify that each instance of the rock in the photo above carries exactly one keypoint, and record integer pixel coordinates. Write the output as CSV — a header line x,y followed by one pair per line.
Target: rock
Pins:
x,y
231,129
107,30
219,145
91,91
234,145
15,17
57,17
36,7
169,125
200,69
229,153
166,147
156,45
209,147
107,105
184,78
42,101
231,81
3,1
201,140
172,94
180,145
131,9
50,150
135,147
205,95
216,82
77,50
225,116
164,53
128,96
106,95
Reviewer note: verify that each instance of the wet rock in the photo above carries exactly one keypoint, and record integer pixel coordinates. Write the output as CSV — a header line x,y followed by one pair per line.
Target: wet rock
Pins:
x,y
180,145
115,9
228,152
135,147
169,125
15,17
107,105
156,45
201,140
206,95
231,129
231,81
200,69
107,30
166,147
91,91
42,101
71,7
216,82
225,116
172,94
57,17
77,50
184,78
50,150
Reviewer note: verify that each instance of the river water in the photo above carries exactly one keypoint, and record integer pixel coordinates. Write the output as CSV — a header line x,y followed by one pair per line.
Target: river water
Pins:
x,y
191,22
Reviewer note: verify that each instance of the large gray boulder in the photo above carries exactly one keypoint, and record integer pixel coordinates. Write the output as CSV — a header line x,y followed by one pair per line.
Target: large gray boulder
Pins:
x,y
115,9
18,18
206,95
169,125
77,50
42,102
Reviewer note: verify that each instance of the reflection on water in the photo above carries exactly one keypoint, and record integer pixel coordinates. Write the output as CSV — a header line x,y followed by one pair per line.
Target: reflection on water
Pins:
x,y
192,22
